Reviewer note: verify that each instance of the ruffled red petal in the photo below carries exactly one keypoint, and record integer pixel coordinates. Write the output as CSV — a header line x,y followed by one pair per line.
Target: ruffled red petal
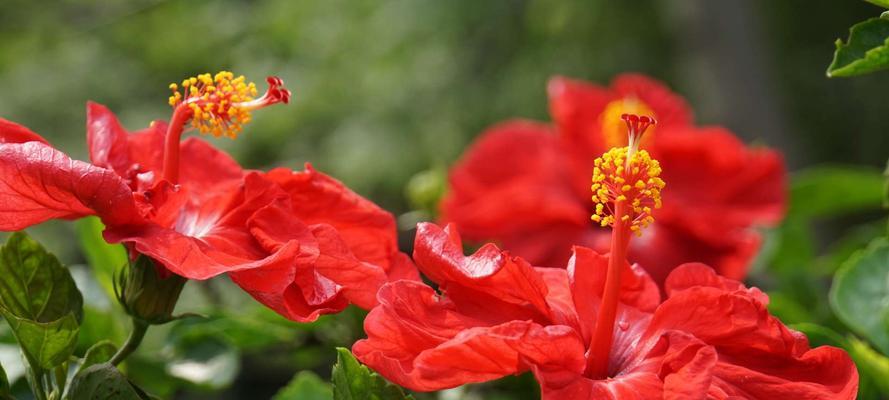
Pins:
x,y
421,341
367,230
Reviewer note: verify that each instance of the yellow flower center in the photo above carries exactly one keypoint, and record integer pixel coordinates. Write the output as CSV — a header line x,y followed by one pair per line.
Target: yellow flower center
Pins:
x,y
614,132
628,176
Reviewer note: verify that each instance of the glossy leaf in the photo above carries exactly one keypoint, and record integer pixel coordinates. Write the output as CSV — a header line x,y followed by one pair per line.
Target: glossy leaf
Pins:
x,y
104,381
305,386
866,50
353,381
101,352
860,293
40,301
104,259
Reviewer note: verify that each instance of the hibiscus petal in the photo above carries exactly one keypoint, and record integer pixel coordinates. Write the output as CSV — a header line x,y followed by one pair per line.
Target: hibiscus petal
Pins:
x,y
419,340
106,138
518,163
38,183
500,277
368,230
692,275
11,132
209,238
757,353
575,107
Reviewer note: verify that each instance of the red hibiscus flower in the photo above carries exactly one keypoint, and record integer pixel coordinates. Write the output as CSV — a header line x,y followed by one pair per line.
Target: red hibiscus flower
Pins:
x,y
497,315
525,184
296,241
597,329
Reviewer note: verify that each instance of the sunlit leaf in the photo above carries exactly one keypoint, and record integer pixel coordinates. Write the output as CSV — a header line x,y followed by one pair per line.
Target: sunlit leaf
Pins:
x,y
865,51
305,386
40,301
104,381
353,381
860,293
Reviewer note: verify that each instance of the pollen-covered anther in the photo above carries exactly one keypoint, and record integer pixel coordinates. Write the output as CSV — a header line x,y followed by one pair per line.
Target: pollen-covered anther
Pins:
x,y
221,104
635,183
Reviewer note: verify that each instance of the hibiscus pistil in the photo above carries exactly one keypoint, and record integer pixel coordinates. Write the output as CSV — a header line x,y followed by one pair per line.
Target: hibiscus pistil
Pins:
x,y
214,104
626,187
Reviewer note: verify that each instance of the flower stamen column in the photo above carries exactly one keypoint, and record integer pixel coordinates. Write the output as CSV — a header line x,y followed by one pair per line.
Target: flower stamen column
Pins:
x,y
216,104
626,187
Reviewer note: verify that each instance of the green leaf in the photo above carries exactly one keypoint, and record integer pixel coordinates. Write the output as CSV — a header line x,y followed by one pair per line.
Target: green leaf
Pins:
x,y
353,381
860,293
40,301
835,190
866,50
104,381
104,259
305,386
4,385
46,344
101,352
881,3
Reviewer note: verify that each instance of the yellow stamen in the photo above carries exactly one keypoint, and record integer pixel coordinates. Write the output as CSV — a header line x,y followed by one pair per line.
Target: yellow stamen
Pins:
x,y
221,103
641,198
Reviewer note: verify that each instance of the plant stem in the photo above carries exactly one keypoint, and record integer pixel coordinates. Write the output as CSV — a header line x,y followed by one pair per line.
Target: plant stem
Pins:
x,y
133,342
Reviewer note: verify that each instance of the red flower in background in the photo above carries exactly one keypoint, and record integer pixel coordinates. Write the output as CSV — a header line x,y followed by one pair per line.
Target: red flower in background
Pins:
x,y
525,184
299,242
497,315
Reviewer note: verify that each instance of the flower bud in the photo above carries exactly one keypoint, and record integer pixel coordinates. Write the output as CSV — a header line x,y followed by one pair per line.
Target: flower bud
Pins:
x,y
146,294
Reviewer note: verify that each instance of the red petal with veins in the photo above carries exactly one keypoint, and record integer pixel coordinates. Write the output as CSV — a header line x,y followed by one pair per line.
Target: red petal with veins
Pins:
x,y
367,230
39,183
209,238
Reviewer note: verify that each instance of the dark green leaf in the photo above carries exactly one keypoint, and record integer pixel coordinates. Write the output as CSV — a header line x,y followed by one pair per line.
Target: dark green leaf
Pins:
x,y
101,352
353,381
40,301
860,293
104,259
834,190
305,386
865,51
104,382
4,385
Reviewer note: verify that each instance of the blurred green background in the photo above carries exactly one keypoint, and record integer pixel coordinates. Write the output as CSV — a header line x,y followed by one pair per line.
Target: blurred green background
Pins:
x,y
384,90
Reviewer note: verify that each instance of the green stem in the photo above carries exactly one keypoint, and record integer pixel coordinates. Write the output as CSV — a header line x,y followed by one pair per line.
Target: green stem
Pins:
x,y
35,379
139,329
